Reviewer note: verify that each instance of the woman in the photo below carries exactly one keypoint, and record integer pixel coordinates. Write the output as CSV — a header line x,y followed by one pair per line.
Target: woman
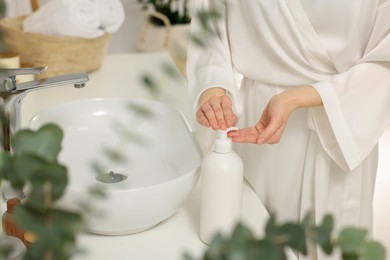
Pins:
x,y
313,103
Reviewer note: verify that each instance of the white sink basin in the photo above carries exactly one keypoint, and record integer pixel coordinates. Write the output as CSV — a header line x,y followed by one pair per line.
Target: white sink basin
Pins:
x,y
160,168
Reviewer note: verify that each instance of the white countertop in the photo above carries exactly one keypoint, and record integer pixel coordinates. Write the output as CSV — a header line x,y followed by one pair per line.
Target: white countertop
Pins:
x,y
171,238
120,77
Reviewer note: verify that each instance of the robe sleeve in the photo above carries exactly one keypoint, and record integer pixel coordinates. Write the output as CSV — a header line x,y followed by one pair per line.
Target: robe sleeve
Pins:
x,y
210,65
356,102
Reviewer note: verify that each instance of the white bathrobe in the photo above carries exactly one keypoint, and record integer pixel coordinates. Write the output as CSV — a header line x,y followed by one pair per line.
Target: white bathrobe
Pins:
x,y
327,158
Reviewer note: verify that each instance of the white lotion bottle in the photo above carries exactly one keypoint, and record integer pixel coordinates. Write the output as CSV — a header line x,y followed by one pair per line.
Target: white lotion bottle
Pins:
x,y
221,189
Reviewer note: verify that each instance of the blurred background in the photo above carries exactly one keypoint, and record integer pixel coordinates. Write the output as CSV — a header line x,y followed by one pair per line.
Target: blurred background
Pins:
x,y
124,40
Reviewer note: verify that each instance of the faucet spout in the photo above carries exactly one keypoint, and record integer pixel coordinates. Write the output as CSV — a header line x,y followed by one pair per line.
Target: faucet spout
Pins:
x,y
77,79
12,94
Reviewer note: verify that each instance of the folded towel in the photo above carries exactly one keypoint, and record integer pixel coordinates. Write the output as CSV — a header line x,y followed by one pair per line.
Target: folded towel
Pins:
x,y
77,18
112,14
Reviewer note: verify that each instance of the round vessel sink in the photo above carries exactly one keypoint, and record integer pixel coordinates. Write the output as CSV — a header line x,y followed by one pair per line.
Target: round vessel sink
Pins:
x,y
141,152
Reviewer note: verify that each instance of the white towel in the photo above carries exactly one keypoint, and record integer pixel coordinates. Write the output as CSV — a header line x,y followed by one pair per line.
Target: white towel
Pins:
x,y
77,18
112,14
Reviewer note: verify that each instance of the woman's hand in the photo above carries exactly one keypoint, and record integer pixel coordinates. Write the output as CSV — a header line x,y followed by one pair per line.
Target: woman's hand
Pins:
x,y
216,110
270,127
274,119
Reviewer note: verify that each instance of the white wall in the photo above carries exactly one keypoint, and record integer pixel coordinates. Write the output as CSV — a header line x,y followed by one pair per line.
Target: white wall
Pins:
x,y
125,39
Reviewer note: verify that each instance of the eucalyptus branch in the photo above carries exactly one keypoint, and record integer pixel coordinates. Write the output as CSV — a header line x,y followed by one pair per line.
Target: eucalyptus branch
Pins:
x,y
34,162
48,221
243,245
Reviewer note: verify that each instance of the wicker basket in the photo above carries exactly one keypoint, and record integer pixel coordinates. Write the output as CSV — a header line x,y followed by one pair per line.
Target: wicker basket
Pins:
x,y
61,54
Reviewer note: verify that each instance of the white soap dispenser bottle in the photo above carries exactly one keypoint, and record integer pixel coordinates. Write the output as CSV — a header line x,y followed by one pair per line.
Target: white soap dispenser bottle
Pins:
x,y
221,189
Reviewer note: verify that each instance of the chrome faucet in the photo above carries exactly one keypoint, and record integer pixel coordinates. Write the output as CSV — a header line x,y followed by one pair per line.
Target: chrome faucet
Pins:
x,y
12,94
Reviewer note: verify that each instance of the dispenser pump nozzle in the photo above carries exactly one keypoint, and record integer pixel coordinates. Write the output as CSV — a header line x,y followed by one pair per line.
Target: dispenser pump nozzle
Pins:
x,y
223,144
222,134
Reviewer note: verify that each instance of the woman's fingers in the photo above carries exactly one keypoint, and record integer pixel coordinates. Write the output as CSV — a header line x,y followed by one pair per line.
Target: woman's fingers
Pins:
x,y
208,112
272,123
258,134
270,134
202,119
260,126
276,137
234,120
216,104
229,116
217,113
244,135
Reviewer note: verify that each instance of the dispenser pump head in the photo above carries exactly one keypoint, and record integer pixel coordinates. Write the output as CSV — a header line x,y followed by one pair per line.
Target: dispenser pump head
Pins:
x,y
223,144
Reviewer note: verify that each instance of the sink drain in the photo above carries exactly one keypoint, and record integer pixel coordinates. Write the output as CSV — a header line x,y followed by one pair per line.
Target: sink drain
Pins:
x,y
111,177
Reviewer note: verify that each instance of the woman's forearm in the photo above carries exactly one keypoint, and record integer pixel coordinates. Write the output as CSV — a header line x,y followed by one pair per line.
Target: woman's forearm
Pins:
x,y
301,97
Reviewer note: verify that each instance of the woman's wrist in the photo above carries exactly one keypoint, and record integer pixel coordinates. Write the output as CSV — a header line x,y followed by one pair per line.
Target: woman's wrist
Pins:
x,y
211,92
301,97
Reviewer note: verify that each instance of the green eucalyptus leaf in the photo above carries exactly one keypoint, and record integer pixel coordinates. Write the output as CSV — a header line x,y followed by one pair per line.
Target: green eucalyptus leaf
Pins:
x,y
45,142
323,234
216,247
373,251
151,84
350,256
328,223
237,254
38,248
70,221
97,192
52,239
241,235
29,219
307,220
21,167
140,110
206,19
55,230
257,250
187,256
170,70
267,249
114,155
198,41
296,236
271,227
351,239
53,174
239,244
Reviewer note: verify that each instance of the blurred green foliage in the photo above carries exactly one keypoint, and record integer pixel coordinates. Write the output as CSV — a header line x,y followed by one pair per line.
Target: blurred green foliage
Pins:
x,y
175,10
33,163
352,242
